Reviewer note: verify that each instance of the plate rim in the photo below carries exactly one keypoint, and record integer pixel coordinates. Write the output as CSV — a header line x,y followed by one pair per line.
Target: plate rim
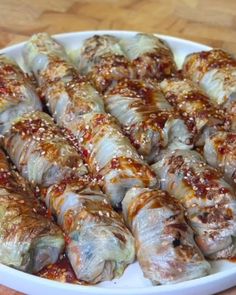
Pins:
x,y
100,32
131,291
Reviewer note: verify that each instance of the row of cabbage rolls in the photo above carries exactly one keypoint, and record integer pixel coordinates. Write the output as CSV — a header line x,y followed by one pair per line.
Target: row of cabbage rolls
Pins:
x,y
119,105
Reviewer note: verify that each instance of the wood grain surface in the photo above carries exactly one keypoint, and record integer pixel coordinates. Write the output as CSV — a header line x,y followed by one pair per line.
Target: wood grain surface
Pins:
x,y
212,22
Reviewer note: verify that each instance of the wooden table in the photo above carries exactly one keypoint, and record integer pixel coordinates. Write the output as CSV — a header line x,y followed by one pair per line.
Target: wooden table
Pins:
x,y
212,22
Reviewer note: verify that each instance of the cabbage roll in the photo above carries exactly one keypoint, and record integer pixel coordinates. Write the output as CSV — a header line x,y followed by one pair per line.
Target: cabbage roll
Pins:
x,y
68,95
215,72
104,61
220,152
17,94
150,56
111,157
28,240
209,201
108,153
147,118
99,245
166,250
201,116
39,151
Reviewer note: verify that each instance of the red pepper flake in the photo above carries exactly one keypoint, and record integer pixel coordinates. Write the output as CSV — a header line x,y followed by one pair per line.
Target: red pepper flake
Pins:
x,y
100,119
69,221
8,68
231,138
204,54
114,163
223,190
85,153
87,136
42,193
68,240
3,90
49,213
98,177
223,150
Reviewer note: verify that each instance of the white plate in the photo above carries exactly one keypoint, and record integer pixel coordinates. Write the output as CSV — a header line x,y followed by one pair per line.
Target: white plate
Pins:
x,y
223,274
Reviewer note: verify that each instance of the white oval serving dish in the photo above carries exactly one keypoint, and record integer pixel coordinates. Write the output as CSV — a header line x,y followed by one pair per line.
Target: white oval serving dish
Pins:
x,y
223,274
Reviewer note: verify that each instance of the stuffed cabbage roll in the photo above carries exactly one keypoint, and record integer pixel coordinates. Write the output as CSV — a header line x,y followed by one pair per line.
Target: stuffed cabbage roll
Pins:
x,y
150,56
165,246
146,117
209,201
220,152
68,94
201,116
215,72
111,157
99,245
17,94
104,61
105,149
39,151
28,240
